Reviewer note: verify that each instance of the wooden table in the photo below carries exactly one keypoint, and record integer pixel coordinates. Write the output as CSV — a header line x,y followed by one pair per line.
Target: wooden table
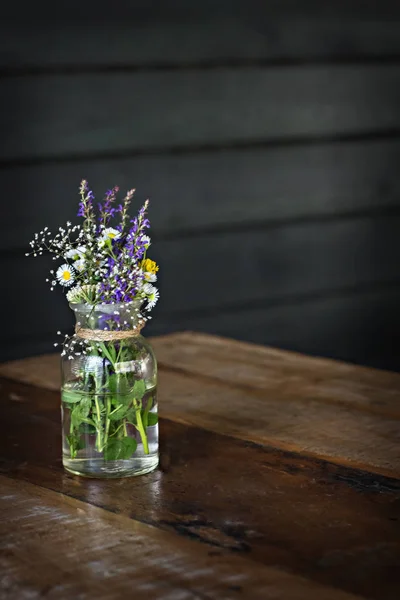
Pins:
x,y
279,479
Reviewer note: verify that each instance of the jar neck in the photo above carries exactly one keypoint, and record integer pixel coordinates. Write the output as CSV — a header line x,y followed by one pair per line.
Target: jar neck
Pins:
x,y
107,317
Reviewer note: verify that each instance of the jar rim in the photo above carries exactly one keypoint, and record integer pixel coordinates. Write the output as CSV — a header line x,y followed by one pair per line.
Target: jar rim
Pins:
x,y
106,307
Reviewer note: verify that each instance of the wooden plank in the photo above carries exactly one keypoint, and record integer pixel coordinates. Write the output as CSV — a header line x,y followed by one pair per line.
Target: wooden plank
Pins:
x,y
144,42
78,550
213,189
276,263
335,411
58,116
353,325
357,327
214,271
141,10
275,371
309,517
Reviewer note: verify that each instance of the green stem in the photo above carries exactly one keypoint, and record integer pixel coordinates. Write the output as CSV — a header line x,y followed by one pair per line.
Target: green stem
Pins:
x,y
107,354
98,428
116,431
141,428
108,407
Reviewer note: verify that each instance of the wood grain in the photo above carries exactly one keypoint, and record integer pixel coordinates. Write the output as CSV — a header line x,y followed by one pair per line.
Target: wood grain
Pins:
x,y
343,413
251,366
358,325
273,264
268,35
62,115
275,508
221,188
77,550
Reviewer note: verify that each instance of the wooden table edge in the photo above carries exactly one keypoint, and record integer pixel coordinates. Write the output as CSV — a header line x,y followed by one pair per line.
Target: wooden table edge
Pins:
x,y
189,545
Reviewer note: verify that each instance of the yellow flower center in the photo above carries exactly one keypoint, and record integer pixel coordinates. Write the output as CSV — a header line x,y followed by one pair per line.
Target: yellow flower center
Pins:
x,y
111,235
66,275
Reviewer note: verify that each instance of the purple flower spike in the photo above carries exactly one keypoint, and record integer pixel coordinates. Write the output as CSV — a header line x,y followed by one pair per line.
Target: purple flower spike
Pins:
x,y
106,210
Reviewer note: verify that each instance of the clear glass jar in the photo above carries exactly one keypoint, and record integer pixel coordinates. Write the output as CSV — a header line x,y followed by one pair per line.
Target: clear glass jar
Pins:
x,y
109,394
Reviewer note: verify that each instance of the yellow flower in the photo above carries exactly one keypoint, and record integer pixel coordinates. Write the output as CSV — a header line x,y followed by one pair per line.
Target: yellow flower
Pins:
x,y
149,266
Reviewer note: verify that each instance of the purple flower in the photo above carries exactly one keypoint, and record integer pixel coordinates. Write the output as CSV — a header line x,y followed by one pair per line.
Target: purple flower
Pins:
x,y
106,210
86,203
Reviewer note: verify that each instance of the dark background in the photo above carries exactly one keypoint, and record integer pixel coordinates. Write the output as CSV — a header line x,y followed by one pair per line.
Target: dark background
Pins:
x,y
267,136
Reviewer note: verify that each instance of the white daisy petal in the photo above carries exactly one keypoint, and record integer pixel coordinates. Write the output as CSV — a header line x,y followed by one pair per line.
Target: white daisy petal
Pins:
x,y
72,253
146,241
65,275
148,288
152,294
110,234
76,253
151,277
79,265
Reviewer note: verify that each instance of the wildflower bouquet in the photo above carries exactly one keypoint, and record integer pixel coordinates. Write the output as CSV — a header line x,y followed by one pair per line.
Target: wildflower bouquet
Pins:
x,y
109,384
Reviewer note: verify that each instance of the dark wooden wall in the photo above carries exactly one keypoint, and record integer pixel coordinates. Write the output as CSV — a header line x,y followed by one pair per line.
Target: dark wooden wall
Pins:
x,y
267,136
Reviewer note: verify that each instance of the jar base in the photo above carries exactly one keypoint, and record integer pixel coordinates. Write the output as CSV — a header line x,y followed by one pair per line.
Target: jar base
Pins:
x,y
98,468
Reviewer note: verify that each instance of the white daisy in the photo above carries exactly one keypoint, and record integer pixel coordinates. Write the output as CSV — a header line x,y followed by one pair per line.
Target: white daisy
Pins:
x,y
76,253
151,277
79,265
152,294
146,241
65,275
110,234
148,288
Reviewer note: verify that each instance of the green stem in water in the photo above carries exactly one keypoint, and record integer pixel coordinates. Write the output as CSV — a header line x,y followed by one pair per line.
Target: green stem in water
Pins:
x,y
108,408
98,427
141,428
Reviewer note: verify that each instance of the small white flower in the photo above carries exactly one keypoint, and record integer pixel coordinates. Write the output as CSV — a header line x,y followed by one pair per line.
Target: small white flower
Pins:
x,y
110,234
79,265
148,288
74,295
65,275
152,294
151,277
146,241
76,253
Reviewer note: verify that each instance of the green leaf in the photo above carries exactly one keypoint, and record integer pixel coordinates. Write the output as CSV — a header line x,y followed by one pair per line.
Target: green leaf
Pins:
x,y
70,397
139,389
106,352
87,427
80,411
117,384
119,413
85,406
152,419
120,449
112,384
131,416
75,444
149,419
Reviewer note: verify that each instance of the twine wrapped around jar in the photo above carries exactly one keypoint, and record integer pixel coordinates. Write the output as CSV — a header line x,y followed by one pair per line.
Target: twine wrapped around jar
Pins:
x,y
104,335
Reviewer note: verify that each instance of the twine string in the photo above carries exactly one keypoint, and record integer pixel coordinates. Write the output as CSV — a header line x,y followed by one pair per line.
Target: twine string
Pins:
x,y
102,335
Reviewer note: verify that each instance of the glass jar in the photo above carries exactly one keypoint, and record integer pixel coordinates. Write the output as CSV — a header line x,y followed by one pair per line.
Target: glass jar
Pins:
x,y
109,394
